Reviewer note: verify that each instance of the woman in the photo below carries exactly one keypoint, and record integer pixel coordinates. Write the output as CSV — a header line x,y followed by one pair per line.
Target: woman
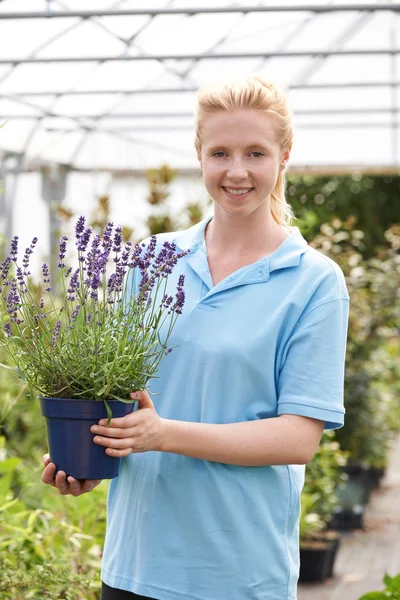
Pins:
x,y
206,506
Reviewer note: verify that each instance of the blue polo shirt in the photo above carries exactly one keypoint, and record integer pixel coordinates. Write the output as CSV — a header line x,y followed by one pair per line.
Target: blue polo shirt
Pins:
x,y
267,340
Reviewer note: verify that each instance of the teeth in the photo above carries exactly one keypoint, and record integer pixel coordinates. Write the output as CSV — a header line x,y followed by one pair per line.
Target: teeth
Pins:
x,y
238,192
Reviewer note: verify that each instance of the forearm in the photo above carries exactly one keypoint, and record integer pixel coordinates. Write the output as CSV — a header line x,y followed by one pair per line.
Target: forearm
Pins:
x,y
287,439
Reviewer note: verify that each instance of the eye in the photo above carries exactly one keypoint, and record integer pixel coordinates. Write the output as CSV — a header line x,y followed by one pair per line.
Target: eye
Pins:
x,y
257,154
219,154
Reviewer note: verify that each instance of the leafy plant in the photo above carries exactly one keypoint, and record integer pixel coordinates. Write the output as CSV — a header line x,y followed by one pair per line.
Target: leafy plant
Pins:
x,y
323,476
50,546
391,591
371,371
82,345
370,200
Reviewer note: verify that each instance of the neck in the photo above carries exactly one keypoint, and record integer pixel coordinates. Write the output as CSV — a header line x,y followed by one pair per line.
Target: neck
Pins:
x,y
244,235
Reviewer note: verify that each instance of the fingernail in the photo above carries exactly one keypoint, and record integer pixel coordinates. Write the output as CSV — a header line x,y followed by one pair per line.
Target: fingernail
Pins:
x,y
102,422
94,429
134,395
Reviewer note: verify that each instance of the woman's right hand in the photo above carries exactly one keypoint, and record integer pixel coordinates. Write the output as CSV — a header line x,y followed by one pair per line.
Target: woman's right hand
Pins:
x,y
66,485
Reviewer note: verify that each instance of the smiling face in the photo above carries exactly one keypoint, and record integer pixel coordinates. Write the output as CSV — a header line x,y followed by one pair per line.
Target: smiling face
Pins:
x,y
241,160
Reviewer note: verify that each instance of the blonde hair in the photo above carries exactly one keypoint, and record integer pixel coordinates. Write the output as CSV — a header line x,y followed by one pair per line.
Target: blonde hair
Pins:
x,y
252,92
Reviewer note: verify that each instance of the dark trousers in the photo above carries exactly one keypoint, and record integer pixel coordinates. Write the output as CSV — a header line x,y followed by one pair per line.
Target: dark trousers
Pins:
x,y
108,593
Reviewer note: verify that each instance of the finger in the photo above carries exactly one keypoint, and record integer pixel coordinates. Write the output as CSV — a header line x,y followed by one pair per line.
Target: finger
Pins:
x,y
119,444
120,453
89,485
75,487
113,432
48,474
61,483
46,459
143,399
128,420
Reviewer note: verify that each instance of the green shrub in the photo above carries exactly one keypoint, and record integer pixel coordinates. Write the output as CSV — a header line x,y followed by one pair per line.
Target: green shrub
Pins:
x,y
323,476
50,545
391,591
372,368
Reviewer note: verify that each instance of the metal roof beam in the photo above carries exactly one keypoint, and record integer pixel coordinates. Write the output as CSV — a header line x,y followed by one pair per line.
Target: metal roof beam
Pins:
x,y
85,14
190,115
302,86
158,128
292,54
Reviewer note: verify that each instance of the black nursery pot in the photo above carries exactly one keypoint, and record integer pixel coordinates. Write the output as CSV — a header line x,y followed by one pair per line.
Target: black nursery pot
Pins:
x,y
71,445
316,560
347,519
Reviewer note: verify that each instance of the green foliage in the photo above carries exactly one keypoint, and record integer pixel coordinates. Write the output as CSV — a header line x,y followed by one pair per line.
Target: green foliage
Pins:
x,y
160,220
323,476
371,200
372,367
50,545
391,591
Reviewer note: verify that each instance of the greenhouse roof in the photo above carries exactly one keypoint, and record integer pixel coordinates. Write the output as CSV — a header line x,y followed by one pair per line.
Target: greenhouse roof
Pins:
x,y
113,88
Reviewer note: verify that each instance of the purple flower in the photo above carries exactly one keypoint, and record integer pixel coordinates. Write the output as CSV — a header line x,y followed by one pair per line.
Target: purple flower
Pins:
x,y
107,236
7,329
179,296
46,276
73,285
135,258
94,285
14,248
73,316
79,227
13,302
21,281
111,283
83,241
56,333
117,239
62,252
28,252
5,269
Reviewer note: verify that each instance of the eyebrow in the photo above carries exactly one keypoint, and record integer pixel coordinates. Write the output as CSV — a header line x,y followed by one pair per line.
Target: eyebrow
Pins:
x,y
263,145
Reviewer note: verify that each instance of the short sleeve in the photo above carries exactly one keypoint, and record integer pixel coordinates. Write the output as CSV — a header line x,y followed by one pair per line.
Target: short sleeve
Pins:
x,y
311,377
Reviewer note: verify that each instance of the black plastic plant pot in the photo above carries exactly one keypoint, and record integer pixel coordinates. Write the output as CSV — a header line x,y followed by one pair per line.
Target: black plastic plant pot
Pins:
x,y
316,561
332,555
71,445
347,519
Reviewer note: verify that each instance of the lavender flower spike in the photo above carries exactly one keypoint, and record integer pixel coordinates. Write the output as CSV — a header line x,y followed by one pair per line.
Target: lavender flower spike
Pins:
x,y
56,333
79,227
14,248
62,252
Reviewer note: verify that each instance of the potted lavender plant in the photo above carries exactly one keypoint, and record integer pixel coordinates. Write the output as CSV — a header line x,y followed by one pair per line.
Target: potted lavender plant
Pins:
x,y
84,346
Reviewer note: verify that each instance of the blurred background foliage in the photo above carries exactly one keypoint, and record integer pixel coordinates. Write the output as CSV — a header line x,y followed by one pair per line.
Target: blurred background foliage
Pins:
x,y
50,546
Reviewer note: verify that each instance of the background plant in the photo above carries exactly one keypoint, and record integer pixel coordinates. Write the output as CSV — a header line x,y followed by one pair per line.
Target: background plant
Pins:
x,y
50,545
323,476
391,591
372,367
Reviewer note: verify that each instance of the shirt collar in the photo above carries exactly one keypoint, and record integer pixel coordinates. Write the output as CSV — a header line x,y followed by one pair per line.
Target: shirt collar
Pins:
x,y
288,254
192,238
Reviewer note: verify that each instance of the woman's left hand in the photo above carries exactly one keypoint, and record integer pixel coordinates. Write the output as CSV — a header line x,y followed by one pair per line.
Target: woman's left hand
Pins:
x,y
139,431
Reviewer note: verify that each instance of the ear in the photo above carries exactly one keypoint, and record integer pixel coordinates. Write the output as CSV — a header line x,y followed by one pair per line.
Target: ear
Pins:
x,y
285,154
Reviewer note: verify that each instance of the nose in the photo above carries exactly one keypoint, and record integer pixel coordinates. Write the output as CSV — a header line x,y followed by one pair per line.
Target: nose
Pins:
x,y
237,170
